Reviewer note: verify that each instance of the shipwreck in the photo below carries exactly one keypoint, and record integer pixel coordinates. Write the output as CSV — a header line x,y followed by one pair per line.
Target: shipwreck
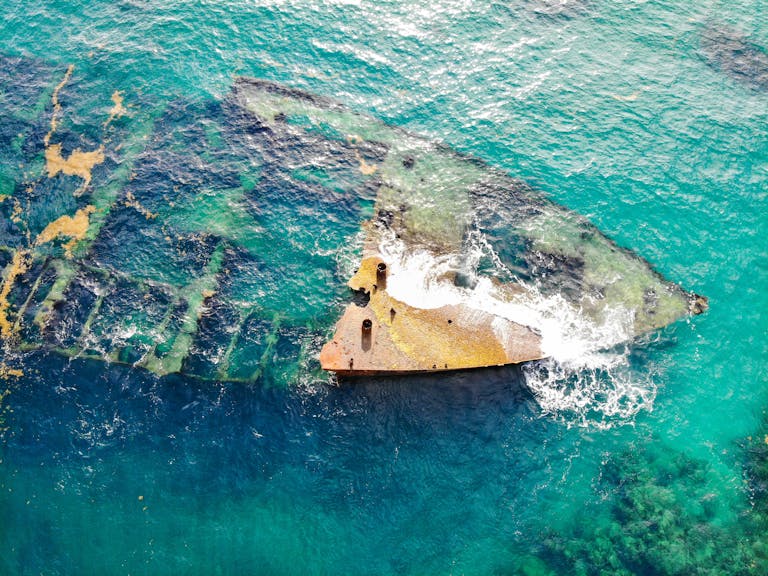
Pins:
x,y
203,238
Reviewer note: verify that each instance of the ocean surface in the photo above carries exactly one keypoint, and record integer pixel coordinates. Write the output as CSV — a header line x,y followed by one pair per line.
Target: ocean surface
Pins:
x,y
650,118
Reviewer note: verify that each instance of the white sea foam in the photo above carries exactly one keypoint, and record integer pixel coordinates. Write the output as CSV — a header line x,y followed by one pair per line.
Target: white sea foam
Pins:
x,y
424,280
601,390
584,380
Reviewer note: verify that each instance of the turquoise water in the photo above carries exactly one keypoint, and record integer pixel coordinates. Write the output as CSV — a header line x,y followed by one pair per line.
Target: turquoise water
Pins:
x,y
647,118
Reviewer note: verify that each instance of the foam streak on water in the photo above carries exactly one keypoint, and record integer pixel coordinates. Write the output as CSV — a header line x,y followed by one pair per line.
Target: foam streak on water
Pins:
x,y
601,391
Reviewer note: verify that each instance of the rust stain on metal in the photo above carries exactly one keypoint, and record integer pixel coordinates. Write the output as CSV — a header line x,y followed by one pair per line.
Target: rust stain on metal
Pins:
x,y
404,339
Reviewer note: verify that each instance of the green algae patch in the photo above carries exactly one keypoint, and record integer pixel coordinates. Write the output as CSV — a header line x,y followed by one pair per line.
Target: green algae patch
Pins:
x,y
663,520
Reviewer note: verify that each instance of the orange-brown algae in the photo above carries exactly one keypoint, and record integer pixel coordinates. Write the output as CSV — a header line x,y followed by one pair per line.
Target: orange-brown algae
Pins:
x,y
75,227
79,163
117,110
18,265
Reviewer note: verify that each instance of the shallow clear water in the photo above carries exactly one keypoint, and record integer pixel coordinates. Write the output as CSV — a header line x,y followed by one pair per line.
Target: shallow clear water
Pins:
x,y
629,114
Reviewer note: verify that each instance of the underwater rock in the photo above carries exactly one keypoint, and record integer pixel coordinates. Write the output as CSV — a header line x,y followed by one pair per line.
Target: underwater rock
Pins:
x,y
732,53
756,468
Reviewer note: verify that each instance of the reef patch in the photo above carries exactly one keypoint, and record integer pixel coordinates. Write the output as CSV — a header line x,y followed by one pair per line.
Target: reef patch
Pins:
x,y
733,53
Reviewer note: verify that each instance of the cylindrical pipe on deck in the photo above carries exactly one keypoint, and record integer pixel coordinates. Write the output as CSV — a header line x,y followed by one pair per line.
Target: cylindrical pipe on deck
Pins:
x,y
381,276
367,337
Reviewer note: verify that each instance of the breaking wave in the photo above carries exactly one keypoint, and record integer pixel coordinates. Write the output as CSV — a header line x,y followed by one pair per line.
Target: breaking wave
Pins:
x,y
587,378
602,390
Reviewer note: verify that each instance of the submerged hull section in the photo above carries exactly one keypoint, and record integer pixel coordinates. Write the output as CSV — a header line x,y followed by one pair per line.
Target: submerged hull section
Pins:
x,y
481,269
173,235
209,238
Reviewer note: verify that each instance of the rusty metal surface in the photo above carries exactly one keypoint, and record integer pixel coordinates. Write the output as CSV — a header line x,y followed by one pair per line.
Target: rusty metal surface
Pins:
x,y
544,264
406,339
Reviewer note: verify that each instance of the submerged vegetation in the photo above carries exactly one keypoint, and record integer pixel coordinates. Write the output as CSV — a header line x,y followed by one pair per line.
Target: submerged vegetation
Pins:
x,y
756,470
663,519
734,54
